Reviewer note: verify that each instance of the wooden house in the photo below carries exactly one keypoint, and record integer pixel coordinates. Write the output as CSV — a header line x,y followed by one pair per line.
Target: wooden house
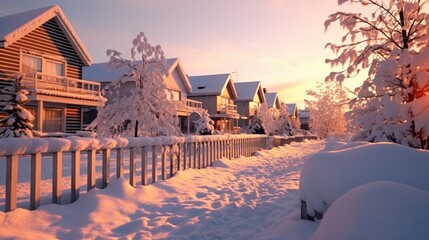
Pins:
x,y
42,45
273,103
217,94
249,99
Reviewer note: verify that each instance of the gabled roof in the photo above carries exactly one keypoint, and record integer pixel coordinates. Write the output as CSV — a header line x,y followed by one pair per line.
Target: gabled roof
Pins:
x,y
211,84
271,98
291,107
247,91
175,63
14,27
100,72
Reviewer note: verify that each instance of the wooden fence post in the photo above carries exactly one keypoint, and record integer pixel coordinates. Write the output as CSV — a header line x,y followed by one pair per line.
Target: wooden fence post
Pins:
x,y
36,176
90,182
119,162
75,175
11,181
133,167
57,176
144,166
163,164
154,165
105,174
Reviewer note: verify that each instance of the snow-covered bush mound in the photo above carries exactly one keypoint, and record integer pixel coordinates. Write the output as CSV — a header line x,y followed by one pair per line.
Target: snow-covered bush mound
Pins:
x,y
329,174
378,210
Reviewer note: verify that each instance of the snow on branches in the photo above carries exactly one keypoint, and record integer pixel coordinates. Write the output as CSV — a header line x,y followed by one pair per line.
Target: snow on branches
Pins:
x,y
145,110
391,44
19,121
204,125
327,108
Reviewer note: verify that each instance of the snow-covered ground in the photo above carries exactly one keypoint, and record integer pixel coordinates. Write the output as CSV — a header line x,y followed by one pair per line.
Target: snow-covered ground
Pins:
x,y
247,198
371,191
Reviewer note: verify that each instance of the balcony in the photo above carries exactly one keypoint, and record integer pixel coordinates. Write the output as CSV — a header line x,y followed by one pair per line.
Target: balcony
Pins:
x,y
61,86
227,110
188,106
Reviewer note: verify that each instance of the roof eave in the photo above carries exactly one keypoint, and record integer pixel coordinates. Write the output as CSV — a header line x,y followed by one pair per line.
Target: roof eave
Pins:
x,y
64,24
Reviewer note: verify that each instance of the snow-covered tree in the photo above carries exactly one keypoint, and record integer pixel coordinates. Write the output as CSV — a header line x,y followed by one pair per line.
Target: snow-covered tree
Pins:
x,y
392,44
327,108
284,123
19,121
145,110
204,125
262,122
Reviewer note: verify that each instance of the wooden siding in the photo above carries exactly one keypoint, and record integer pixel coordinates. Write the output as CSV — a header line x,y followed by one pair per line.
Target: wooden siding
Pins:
x,y
48,39
73,118
175,82
208,102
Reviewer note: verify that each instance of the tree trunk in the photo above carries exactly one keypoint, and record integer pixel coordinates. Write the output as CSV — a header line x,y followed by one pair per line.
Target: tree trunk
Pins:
x,y
136,129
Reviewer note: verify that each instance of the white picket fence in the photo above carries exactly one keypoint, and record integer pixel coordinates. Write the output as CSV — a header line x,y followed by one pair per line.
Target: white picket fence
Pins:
x,y
157,158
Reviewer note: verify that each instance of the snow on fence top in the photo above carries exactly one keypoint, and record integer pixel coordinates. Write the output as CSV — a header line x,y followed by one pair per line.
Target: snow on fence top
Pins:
x,y
11,146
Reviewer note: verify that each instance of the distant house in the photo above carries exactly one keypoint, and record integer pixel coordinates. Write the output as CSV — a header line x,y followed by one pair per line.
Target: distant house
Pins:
x,y
42,45
177,88
292,110
217,94
250,97
304,118
273,103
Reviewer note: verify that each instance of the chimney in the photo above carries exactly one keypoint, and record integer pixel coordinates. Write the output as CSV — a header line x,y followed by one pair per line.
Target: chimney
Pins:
x,y
264,90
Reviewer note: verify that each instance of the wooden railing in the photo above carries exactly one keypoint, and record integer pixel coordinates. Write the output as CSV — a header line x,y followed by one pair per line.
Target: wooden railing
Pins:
x,y
43,83
188,105
158,158
227,109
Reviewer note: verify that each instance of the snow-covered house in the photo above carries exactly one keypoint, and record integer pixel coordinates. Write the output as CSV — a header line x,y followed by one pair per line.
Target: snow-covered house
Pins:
x,y
177,88
304,119
292,110
217,94
42,45
250,97
273,103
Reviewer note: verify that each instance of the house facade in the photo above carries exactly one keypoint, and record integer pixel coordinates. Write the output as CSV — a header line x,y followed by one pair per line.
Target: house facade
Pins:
x,y
217,94
273,103
177,89
249,99
42,45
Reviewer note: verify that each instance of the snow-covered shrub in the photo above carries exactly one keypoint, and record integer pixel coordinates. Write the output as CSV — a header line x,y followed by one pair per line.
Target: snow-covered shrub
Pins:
x,y
204,125
256,125
329,174
19,121
145,110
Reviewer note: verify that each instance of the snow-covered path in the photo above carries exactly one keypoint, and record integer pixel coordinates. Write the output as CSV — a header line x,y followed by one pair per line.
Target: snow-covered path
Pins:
x,y
246,198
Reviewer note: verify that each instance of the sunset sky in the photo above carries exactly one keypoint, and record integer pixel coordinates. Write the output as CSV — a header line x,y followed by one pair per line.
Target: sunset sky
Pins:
x,y
278,42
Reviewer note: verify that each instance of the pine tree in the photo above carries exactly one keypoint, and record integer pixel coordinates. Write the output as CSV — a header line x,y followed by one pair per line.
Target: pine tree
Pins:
x,y
204,125
285,125
145,110
19,121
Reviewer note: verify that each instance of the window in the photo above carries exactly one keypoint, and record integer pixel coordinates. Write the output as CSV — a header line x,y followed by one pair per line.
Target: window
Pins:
x,y
31,64
53,121
172,95
41,65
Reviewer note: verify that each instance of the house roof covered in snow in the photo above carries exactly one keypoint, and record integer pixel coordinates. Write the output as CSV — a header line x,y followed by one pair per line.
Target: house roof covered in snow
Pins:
x,y
100,72
272,99
249,91
212,84
292,109
14,27
304,113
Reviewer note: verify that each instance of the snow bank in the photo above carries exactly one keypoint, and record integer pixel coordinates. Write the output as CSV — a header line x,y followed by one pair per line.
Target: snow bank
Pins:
x,y
328,175
378,210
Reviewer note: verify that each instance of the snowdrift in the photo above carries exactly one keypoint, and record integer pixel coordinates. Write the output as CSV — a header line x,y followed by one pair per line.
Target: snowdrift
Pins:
x,y
329,174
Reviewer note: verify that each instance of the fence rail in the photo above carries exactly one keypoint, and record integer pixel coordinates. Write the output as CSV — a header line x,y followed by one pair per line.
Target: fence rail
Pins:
x,y
158,158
